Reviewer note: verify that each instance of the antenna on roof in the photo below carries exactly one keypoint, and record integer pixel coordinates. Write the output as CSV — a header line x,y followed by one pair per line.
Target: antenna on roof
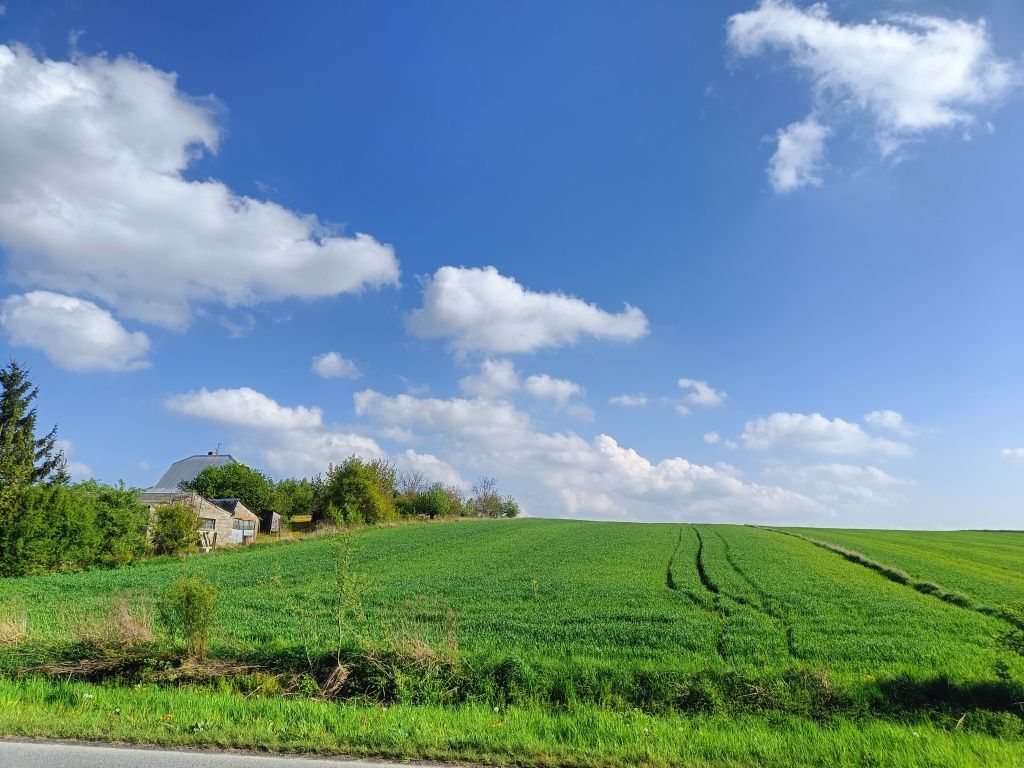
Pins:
x,y
217,452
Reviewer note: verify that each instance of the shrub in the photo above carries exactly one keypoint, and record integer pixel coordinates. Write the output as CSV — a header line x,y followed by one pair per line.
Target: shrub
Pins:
x,y
364,492
175,529
186,611
487,502
434,502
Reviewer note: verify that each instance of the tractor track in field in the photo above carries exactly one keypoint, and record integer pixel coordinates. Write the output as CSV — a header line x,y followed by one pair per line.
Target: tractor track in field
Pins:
x,y
670,582
702,574
716,596
765,604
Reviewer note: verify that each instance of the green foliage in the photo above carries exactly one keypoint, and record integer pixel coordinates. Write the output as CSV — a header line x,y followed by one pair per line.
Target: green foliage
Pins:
x,y
186,610
235,481
175,529
26,462
434,502
357,491
120,522
487,502
297,497
24,458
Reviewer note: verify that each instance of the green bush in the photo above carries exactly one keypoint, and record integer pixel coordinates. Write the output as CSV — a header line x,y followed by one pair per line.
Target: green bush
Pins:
x,y
186,611
434,502
364,492
235,481
175,530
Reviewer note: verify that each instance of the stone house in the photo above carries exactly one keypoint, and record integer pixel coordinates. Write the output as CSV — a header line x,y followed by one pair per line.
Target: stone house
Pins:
x,y
222,521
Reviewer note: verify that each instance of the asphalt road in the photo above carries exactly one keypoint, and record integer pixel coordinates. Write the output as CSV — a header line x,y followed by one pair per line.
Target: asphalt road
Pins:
x,y
56,754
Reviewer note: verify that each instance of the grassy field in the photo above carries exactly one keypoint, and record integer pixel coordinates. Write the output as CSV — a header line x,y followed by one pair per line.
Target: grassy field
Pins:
x,y
578,643
984,565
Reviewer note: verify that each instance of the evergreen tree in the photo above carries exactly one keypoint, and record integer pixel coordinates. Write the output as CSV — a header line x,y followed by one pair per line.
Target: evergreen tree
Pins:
x,y
30,469
24,458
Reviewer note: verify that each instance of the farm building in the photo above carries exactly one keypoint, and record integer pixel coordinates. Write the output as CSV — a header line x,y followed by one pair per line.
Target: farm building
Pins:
x,y
222,521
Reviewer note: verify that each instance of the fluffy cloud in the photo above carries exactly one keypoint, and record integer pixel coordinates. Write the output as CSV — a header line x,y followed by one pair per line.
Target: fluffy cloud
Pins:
x,y
892,421
483,310
433,469
73,333
910,74
799,156
843,488
699,393
816,433
1015,455
550,388
94,199
496,378
244,407
562,473
332,365
712,438
499,378
629,401
293,440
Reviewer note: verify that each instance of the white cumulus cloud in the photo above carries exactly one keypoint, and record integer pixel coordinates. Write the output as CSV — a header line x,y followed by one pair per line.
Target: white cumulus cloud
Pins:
x,y
843,488
293,440
496,378
907,73
892,421
73,333
483,310
331,365
244,407
565,474
701,393
94,199
433,469
799,156
816,433
550,388
629,401
499,378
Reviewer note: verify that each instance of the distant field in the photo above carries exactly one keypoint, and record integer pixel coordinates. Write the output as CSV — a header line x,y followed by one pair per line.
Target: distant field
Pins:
x,y
680,620
985,565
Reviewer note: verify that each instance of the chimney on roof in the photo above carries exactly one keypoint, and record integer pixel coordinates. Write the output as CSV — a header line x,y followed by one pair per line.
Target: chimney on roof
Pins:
x,y
211,453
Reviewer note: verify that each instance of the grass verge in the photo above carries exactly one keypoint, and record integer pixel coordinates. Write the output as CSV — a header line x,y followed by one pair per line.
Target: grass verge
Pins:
x,y
579,736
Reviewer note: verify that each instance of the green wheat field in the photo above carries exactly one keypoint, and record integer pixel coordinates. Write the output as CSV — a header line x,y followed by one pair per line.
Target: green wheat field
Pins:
x,y
579,643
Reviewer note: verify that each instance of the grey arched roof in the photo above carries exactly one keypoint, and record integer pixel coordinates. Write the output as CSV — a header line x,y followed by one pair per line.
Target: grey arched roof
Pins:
x,y
186,470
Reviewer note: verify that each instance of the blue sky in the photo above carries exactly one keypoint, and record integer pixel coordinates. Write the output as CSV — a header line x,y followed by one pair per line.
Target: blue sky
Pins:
x,y
502,218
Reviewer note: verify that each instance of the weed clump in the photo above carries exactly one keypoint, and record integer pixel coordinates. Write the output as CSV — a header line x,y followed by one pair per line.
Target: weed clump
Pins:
x,y
120,626
186,611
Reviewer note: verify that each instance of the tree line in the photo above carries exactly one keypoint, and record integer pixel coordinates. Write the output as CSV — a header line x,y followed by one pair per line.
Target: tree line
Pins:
x,y
48,523
355,492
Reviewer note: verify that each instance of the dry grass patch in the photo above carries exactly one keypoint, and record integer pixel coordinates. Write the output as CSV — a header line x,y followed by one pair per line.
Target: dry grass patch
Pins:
x,y
121,625
13,627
